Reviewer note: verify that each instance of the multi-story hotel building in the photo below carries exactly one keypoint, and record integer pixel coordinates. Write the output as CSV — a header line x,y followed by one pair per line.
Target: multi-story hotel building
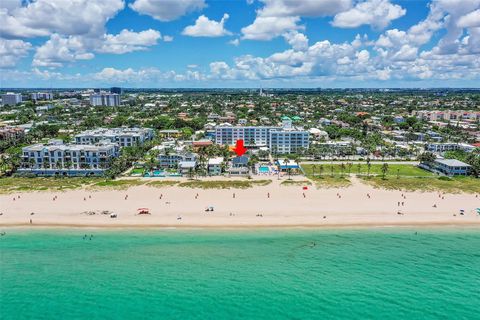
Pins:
x,y
42,96
11,99
286,139
57,158
105,99
124,137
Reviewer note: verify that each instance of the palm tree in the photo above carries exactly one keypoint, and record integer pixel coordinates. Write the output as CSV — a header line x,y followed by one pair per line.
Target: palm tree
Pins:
x,y
369,166
349,167
384,169
297,162
289,170
314,167
342,168
320,170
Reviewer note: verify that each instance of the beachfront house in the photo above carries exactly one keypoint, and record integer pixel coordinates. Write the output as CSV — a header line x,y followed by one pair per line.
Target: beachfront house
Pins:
x,y
170,157
451,167
239,166
214,166
57,158
285,165
187,167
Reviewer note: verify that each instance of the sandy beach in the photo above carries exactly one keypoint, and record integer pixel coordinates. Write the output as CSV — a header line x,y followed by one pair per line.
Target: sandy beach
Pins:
x,y
274,205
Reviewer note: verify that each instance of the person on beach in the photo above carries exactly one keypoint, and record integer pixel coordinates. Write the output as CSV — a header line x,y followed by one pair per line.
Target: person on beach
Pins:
x,y
233,195
268,195
30,221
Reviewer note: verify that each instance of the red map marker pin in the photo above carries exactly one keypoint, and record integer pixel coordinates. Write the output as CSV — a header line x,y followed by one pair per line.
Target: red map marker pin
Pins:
x,y
239,148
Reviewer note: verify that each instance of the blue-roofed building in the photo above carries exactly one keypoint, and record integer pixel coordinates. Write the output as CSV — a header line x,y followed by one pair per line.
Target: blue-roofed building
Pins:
x,y
452,167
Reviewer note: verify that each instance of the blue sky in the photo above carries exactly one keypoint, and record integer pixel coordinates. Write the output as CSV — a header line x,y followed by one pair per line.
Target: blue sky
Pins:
x,y
240,43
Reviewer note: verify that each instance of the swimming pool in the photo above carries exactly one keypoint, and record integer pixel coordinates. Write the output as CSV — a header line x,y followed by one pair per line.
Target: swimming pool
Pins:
x,y
263,169
156,173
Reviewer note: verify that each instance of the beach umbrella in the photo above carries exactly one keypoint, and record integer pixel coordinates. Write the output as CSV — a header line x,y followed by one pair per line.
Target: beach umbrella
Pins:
x,y
305,188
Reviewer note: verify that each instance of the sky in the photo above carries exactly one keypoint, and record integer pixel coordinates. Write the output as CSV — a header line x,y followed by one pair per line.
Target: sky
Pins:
x,y
240,43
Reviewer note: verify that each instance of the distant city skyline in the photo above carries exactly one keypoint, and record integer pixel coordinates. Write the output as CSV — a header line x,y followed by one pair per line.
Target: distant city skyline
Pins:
x,y
240,44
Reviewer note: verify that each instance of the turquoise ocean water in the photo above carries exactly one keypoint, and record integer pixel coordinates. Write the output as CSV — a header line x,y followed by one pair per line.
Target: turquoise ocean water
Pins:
x,y
231,274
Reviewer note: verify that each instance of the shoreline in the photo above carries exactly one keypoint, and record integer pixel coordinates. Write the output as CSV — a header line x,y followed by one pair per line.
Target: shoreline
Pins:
x,y
402,225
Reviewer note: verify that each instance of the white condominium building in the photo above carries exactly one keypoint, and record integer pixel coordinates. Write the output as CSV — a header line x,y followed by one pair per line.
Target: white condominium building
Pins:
x,y
288,141
124,137
57,158
105,99
42,96
11,99
252,136
284,139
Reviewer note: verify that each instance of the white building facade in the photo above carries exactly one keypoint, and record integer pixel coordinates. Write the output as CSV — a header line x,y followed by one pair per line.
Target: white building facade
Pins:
x,y
278,139
11,99
124,137
105,99
56,158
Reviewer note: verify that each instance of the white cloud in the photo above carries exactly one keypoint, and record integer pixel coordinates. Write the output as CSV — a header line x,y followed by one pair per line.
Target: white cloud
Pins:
x,y
384,74
45,17
304,8
112,75
167,38
297,40
128,41
377,13
471,19
234,42
458,16
59,49
267,28
11,51
205,27
280,16
167,10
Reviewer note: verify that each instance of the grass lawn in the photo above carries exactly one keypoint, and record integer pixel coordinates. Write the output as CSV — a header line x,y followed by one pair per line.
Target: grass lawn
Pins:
x,y
118,184
331,182
296,183
22,184
453,185
235,184
137,171
406,170
161,184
